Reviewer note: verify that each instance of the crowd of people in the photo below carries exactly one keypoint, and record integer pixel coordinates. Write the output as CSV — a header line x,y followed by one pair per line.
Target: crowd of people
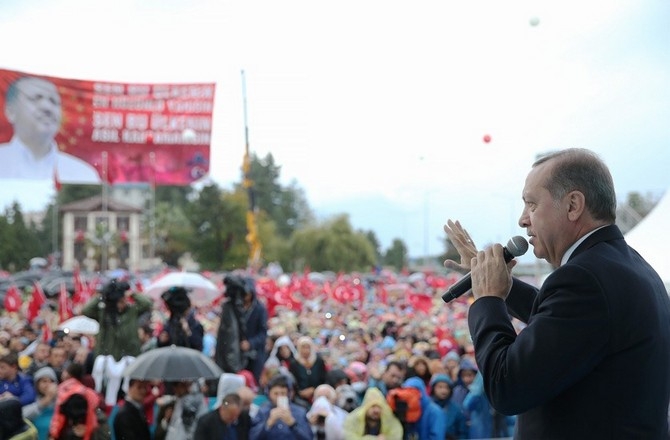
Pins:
x,y
325,370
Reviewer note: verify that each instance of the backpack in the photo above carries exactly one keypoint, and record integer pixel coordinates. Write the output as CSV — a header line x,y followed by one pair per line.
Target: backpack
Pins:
x,y
405,403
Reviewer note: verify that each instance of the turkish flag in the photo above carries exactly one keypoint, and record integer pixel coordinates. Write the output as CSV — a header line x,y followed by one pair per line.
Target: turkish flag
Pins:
x,y
420,301
64,304
82,292
37,300
12,299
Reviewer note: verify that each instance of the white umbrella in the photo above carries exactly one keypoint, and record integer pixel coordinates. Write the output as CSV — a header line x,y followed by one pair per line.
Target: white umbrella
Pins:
x,y
80,324
416,277
201,290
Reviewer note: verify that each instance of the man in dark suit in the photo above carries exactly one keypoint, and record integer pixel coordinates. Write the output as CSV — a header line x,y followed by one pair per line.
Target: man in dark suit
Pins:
x,y
223,423
130,422
594,359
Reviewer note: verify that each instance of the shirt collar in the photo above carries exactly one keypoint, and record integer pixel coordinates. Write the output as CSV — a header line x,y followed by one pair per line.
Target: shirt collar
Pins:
x,y
571,249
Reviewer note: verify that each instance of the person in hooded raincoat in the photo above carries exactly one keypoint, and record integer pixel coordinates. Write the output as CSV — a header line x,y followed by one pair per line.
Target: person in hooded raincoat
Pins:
x,y
373,418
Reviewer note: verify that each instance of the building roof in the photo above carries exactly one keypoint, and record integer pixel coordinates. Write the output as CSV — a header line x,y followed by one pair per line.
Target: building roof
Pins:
x,y
95,204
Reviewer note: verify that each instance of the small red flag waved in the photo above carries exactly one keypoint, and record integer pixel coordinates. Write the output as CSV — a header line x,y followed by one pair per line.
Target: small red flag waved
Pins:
x,y
12,301
64,304
82,292
37,300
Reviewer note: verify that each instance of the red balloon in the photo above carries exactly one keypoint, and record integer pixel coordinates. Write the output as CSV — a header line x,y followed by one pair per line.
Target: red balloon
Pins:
x,y
487,138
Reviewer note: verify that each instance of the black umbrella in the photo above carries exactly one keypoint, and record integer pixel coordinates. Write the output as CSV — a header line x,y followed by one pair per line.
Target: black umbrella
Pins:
x,y
172,364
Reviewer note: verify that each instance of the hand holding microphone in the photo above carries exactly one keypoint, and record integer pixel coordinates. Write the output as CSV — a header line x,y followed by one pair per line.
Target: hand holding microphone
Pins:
x,y
516,246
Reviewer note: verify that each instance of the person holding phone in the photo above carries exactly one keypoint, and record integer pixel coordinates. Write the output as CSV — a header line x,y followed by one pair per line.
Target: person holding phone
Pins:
x,y
278,418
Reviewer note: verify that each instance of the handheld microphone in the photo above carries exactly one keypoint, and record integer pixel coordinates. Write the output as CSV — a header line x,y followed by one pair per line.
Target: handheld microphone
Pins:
x,y
516,246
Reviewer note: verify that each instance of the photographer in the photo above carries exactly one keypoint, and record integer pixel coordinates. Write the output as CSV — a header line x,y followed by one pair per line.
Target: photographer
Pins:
x,y
240,342
181,328
117,343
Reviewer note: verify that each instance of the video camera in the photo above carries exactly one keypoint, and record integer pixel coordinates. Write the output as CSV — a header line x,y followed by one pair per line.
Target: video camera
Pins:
x,y
113,291
177,300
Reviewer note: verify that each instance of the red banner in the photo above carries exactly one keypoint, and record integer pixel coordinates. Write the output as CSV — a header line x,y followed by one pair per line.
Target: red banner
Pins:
x,y
88,131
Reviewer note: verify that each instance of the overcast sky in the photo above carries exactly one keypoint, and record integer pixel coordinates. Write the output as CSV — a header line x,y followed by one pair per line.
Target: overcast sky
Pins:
x,y
378,108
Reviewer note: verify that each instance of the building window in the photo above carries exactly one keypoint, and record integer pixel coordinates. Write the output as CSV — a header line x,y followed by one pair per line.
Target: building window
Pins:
x,y
80,223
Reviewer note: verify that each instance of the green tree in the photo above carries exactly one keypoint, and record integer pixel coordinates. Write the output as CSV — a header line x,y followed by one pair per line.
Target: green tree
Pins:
x,y
219,229
332,246
19,240
374,241
642,205
71,193
172,232
396,255
286,206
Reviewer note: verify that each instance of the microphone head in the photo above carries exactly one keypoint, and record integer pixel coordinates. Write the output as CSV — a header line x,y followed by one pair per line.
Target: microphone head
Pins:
x,y
517,246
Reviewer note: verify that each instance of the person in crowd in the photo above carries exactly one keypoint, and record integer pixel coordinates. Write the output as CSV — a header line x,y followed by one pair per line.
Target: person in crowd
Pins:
x,y
309,370
279,418
58,360
335,424
392,377
242,332
76,411
417,366
431,425
358,375
467,371
84,356
373,419
347,397
249,379
41,410
117,343
147,339
455,421
13,383
324,420
130,422
221,422
228,383
484,421
452,361
33,107
250,403
39,358
282,354
189,406
603,314
181,327
13,426
336,377
165,405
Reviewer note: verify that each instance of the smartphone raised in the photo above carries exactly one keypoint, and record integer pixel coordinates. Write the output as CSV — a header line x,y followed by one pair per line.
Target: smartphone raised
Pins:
x,y
282,402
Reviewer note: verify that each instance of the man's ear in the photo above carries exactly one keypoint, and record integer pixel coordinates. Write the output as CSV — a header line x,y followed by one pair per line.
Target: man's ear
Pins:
x,y
576,205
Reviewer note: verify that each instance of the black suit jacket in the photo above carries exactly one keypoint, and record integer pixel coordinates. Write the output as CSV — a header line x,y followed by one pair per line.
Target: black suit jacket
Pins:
x,y
130,423
593,361
210,426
